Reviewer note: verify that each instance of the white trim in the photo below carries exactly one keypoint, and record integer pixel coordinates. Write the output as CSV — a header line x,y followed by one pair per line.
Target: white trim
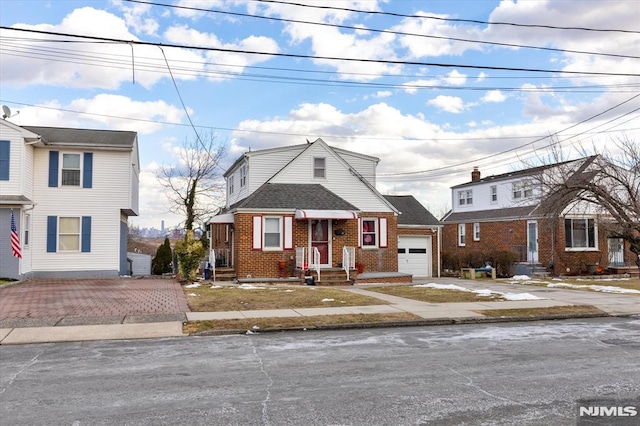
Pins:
x,y
382,226
288,232
325,214
257,233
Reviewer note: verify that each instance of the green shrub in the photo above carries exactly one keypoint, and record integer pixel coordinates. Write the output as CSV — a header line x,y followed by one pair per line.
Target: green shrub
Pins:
x,y
190,252
161,263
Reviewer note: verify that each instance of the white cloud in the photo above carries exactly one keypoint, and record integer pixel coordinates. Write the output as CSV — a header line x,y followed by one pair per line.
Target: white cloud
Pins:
x,y
136,19
223,61
103,111
87,65
455,78
493,96
451,104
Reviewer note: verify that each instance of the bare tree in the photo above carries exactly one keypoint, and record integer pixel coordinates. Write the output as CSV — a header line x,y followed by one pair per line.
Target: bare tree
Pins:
x,y
607,183
195,184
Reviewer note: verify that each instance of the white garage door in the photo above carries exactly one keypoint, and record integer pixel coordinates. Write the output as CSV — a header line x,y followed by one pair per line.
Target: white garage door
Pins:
x,y
414,256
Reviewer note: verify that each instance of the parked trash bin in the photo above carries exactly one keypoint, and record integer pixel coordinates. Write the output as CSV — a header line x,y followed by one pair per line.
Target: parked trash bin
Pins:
x,y
207,272
309,279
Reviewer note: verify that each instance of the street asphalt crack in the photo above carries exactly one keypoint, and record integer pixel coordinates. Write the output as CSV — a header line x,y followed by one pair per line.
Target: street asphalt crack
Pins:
x,y
265,402
472,384
15,375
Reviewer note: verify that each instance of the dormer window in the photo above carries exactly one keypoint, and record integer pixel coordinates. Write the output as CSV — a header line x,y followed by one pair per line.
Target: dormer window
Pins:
x,y
465,197
319,168
522,189
244,171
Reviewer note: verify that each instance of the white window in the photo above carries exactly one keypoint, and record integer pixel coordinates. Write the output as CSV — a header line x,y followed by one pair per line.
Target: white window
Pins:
x,y
370,232
319,168
462,230
476,232
69,234
522,189
244,170
465,197
494,194
27,226
272,233
70,170
580,234
231,185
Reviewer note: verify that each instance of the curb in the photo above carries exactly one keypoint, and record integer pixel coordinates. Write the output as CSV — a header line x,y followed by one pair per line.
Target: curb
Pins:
x,y
415,323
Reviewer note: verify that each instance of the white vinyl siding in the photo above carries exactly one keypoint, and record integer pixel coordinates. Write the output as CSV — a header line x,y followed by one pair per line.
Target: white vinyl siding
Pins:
x,y
111,192
340,180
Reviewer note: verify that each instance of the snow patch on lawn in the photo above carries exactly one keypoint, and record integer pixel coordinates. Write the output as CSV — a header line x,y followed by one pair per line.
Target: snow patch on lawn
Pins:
x,y
194,285
601,288
250,287
483,292
328,300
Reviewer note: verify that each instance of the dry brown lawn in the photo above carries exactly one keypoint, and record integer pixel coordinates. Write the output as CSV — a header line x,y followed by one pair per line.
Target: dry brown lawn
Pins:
x,y
296,322
534,312
209,299
433,295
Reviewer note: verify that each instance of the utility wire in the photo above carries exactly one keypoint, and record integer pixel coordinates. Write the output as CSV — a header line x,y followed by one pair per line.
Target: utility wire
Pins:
x,y
141,65
438,18
329,58
171,123
517,147
325,24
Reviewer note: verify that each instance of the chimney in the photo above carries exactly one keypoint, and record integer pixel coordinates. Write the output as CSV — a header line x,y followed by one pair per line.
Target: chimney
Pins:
x,y
475,174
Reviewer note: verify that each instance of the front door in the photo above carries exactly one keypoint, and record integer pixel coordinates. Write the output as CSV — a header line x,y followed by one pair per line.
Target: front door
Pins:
x,y
616,252
532,241
320,238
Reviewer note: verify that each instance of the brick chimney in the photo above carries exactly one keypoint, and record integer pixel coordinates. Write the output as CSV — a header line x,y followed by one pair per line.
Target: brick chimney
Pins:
x,y
475,175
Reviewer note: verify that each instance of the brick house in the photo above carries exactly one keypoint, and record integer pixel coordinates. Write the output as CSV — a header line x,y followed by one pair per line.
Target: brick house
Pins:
x,y
71,192
309,206
505,213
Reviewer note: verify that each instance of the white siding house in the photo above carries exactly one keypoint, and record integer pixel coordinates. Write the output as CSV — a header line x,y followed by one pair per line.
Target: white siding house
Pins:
x,y
71,191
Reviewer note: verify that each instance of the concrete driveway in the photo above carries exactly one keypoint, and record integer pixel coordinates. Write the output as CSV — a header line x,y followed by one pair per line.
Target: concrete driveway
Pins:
x,y
49,302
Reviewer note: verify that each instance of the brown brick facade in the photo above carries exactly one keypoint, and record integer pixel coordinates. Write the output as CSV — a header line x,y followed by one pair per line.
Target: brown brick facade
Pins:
x,y
249,262
512,236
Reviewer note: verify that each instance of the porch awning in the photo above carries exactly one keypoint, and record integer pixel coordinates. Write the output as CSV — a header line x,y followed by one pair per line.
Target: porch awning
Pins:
x,y
222,218
326,214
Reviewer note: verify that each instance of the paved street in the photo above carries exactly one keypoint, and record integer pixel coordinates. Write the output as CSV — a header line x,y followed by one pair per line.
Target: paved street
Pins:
x,y
498,374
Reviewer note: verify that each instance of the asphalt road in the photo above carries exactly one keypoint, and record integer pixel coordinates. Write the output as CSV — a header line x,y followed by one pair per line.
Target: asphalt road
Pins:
x,y
487,374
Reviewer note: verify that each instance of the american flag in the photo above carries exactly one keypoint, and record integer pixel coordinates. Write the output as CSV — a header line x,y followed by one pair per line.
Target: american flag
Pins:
x,y
15,238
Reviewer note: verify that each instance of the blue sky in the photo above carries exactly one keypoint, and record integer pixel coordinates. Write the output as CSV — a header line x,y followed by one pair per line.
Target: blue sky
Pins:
x,y
429,124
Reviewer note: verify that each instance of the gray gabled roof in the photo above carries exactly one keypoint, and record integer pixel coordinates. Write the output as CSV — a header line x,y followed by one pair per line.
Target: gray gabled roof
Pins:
x,y
532,171
63,136
512,213
293,196
411,211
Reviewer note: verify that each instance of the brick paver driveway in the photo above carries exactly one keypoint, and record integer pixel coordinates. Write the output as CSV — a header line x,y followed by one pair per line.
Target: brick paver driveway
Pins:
x,y
77,301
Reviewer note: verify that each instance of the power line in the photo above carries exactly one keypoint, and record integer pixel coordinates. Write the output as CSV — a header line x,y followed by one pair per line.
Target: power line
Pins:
x,y
329,58
359,137
438,18
517,147
325,24
119,62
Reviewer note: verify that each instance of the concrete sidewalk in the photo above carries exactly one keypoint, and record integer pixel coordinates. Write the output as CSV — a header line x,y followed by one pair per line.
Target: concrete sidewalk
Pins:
x,y
67,329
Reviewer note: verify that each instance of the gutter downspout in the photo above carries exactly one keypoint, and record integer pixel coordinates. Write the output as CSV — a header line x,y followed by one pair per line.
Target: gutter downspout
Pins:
x,y
439,249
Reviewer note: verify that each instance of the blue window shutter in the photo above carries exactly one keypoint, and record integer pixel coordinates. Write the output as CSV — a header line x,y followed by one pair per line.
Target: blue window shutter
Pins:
x,y
53,169
52,233
5,152
87,170
86,234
